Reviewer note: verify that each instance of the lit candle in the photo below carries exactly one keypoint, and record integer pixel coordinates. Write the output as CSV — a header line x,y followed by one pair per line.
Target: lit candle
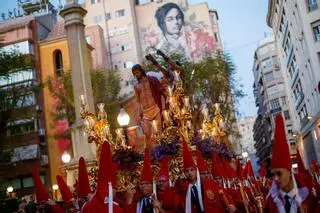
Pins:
x,y
166,115
154,126
171,103
169,91
205,112
176,75
82,99
216,105
189,125
186,102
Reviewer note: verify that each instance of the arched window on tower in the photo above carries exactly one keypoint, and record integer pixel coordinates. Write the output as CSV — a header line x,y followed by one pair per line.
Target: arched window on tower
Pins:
x,y
58,68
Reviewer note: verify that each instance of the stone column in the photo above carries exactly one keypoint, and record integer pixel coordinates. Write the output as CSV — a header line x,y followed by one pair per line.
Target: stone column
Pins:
x,y
73,15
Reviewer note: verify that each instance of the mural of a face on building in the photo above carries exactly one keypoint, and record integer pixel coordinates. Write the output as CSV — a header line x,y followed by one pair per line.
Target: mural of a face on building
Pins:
x,y
183,30
170,19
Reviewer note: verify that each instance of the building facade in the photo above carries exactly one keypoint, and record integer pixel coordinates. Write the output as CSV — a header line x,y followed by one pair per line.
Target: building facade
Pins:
x,y
245,127
296,26
25,137
133,29
55,60
270,97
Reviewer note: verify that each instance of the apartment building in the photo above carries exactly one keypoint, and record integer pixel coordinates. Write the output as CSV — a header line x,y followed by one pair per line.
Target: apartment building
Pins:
x,y
270,97
133,29
296,26
245,127
25,141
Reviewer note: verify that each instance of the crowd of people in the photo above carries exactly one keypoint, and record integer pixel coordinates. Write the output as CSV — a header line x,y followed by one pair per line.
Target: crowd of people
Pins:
x,y
223,186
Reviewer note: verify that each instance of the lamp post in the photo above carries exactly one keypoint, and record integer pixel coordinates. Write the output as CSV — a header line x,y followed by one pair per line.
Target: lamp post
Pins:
x,y
9,191
55,188
123,120
245,155
66,158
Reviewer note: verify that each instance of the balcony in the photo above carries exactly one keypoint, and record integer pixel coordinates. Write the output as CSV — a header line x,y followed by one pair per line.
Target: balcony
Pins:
x,y
290,51
299,100
294,77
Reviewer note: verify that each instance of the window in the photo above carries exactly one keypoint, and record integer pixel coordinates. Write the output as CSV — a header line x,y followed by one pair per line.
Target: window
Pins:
x,y
58,63
18,77
312,5
316,30
24,47
140,2
97,19
267,63
88,39
283,100
216,37
269,76
127,64
120,13
125,47
108,16
20,127
303,112
286,115
287,45
274,103
95,1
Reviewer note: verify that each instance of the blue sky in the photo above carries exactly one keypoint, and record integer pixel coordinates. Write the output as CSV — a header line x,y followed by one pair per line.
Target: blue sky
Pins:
x,y
242,25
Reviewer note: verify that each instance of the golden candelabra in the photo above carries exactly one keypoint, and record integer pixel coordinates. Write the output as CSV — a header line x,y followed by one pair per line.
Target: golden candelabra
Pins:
x,y
215,127
96,127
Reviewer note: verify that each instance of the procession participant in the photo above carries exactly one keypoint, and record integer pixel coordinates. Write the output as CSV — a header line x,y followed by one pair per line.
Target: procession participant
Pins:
x,y
203,166
43,199
288,193
216,170
69,203
166,194
147,203
148,92
102,199
202,195
83,188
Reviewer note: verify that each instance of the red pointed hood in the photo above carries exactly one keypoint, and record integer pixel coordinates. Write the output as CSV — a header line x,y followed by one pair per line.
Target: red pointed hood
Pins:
x,y
105,170
240,171
41,192
187,157
263,170
65,191
248,171
215,166
164,170
301,167
280,149
229,170
83,180
201,163
146,174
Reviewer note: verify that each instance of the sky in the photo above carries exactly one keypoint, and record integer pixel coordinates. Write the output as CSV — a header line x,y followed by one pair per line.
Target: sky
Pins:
x,y
242,24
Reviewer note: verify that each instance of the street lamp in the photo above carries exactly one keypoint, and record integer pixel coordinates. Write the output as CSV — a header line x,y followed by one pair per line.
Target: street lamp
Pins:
x,y
123,120
65,157
55,188
245,154
10,190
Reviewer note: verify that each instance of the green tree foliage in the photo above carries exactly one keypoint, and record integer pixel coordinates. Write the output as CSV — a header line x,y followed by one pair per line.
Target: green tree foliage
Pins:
x,y
13,99
105,88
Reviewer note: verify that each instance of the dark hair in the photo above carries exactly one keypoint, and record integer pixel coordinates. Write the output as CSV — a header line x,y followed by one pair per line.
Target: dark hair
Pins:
x,y
162,12
140,68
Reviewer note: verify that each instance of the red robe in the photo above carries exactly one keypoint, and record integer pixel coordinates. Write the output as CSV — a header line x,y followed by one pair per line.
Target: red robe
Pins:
x,y
307,204
96,204
170,200
212,199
